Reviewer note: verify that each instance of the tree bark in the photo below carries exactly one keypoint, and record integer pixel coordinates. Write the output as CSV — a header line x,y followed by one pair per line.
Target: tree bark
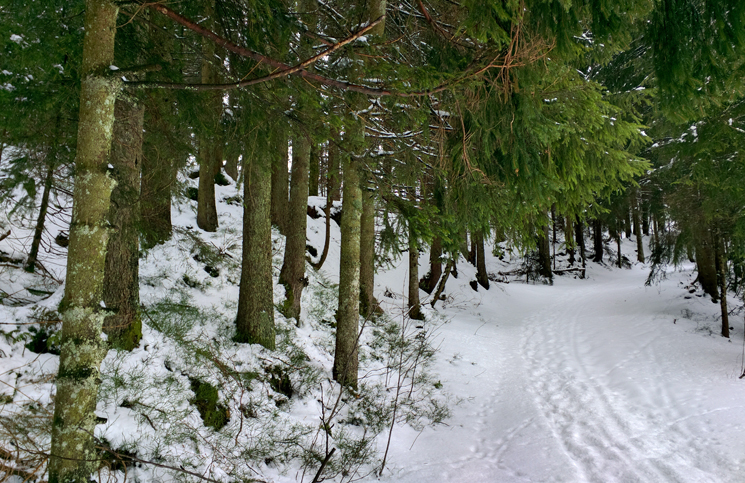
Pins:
x,y
231,167
637,227
443,281
721,265
368,304
292,275
208,142
121,290
429,282
334,173
73,454
579,236
413,303
569,240
347,326
313,171
481,276
158,174
705,263
255,319
51,162
597,240
544,254
280,188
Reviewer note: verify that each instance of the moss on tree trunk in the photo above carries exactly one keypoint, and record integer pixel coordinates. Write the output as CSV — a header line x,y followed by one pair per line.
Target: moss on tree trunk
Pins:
x,y
73,456
348,314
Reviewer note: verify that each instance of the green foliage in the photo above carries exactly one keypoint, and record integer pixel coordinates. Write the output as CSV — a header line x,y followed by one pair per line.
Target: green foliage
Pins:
x,y
214,414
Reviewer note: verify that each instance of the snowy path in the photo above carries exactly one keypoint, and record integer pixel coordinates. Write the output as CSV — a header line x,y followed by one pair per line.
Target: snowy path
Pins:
x,y
583,382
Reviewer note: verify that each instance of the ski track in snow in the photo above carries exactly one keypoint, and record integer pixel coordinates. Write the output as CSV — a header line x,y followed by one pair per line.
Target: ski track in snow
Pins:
x,y
606,435
582,382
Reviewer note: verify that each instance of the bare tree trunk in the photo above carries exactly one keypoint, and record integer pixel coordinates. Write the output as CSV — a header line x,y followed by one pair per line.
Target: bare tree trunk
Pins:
x,y
346,360
314,170
334,172
280,188
255,319
158,174
51,162
706,262
368,304
579,236
721,263
73,454
210,153
231,167
292,275
429,282
121,289
443,281
597,240
413,302
481,276
569,240
637,227
544,254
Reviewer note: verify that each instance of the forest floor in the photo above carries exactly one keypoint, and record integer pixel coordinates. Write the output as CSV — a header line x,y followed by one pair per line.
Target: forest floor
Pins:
x,y
601,379
595,380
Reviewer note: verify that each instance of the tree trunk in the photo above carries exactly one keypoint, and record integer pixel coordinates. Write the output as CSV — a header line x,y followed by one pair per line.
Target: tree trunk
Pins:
x,y
313,170
413,303
569,240
51,162
472,255
706,263
280,189
544,254
597,240
208,142
327,238
121,290
334,173
292,275
579,236
481,276
347,326
429,282
158,174
637,227
618,245
368,304
255,319
553,238
721,265
627,223
73,454
441,286
645,218
231,167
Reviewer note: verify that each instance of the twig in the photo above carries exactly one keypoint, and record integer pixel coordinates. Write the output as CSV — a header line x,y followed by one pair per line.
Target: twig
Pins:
x,y
323,465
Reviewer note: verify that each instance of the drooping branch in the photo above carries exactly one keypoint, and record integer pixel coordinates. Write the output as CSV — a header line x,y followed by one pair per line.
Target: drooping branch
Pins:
x,y
284,69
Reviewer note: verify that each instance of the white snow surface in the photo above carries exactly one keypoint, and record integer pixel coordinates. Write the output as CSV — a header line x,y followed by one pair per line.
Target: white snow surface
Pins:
x,y
600,379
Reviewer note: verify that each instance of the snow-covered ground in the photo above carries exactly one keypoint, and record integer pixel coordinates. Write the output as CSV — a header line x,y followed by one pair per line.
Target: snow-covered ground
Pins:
x,y
588,380
597,380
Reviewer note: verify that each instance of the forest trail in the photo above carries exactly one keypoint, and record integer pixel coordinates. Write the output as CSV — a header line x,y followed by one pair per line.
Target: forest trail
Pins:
x,y
584,381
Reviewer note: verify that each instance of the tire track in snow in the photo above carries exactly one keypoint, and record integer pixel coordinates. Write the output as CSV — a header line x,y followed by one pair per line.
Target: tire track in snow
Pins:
x,y
607,438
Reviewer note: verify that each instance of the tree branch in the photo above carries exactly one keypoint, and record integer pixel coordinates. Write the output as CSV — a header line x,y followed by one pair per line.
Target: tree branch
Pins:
x,y
284,69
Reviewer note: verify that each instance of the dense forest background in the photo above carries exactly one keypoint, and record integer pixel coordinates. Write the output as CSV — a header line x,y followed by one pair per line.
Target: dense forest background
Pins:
x,y
415,126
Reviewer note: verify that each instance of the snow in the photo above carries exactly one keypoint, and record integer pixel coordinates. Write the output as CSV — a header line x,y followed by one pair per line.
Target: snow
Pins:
x,y
600,379
586,380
